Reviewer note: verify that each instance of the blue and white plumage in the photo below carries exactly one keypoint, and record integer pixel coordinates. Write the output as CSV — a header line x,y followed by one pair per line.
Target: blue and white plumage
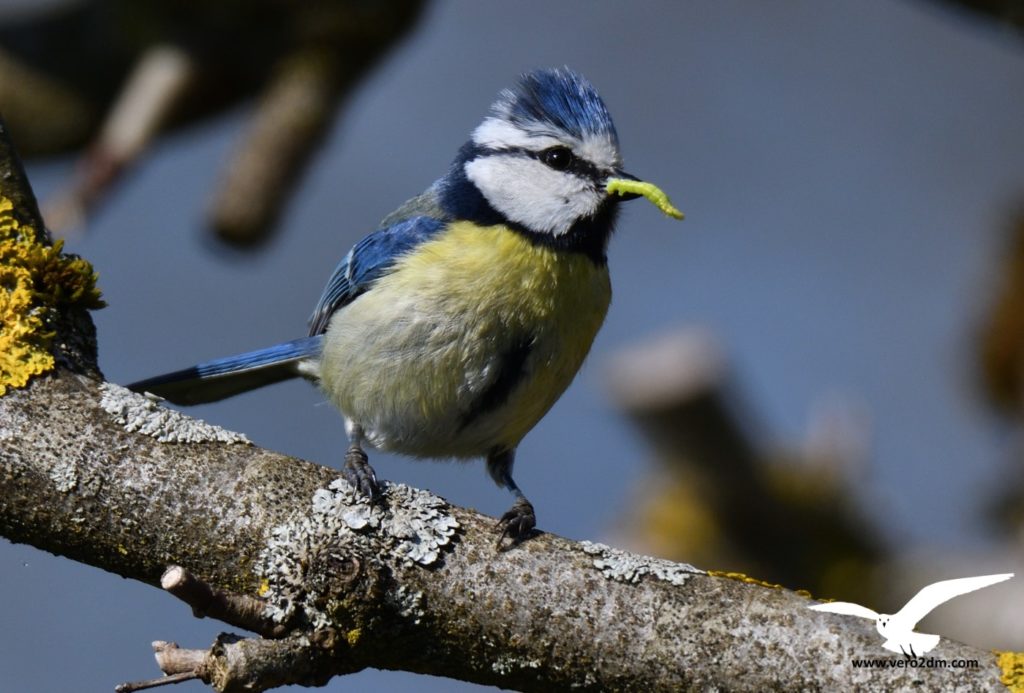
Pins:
x,y
452,329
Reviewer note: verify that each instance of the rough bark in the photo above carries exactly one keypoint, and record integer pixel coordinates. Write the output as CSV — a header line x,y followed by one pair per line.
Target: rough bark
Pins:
x,y
93,472
414,585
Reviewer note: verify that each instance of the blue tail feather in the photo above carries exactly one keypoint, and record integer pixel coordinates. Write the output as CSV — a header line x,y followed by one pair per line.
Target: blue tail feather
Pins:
x,y
225,377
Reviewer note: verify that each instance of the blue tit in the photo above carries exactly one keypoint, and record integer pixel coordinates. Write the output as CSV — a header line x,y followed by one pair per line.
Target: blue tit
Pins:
x,y
455,326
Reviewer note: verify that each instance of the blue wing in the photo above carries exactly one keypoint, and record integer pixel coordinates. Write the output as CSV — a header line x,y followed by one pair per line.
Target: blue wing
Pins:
x,y
413,223
368,260
215,380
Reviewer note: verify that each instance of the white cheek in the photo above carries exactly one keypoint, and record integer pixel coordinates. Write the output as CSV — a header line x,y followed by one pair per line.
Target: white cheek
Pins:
x,y
532,194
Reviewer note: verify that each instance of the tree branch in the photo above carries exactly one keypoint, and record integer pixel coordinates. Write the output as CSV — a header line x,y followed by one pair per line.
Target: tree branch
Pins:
x,y
107,477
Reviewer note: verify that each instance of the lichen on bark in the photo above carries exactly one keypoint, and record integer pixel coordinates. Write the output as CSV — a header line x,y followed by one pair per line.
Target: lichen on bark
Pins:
x,y
36,282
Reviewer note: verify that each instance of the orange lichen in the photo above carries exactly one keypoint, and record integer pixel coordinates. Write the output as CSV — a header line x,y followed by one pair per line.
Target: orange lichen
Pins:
x,y
36,280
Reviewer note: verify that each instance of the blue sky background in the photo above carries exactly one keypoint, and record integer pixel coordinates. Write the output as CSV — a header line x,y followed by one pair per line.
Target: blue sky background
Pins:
x,y
847,170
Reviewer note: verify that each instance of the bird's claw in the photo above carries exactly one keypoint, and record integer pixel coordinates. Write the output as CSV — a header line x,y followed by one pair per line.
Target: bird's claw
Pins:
x,y
517,524
358,472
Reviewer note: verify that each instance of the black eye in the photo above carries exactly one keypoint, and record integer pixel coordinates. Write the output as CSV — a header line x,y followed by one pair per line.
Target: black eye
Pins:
x,y
558,158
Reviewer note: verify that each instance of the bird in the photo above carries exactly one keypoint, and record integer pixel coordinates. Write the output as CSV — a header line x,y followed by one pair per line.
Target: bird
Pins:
x,y
898,629
450,330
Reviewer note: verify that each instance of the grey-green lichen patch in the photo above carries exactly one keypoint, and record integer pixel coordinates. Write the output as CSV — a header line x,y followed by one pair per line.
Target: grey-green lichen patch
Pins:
x,y
623,566
509,664
64,475
415,524
143,414
419,525
409,526
408,603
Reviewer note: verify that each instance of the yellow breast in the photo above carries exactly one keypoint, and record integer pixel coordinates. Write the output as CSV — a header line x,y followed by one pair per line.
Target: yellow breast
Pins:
x,y
408,359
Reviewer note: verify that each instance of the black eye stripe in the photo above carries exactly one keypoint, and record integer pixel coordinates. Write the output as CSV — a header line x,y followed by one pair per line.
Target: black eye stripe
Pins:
x,y
578,166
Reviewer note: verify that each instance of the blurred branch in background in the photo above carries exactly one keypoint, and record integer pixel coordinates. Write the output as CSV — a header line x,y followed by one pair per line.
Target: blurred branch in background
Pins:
x,y
1001,361
1008,12
1002,332
1000,355
111,75
718,498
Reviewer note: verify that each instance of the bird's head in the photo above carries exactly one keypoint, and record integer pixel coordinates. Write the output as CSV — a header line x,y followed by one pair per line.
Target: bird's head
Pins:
x,y
546,159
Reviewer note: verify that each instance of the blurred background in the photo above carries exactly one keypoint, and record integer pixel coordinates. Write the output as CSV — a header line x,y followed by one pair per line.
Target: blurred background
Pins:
x,y
816,379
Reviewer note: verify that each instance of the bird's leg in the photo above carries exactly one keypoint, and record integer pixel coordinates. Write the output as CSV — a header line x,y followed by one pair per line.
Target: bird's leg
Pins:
x,y
518,523
357,470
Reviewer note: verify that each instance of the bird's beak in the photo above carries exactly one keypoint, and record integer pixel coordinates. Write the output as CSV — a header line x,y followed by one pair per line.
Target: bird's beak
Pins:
x,y
630,187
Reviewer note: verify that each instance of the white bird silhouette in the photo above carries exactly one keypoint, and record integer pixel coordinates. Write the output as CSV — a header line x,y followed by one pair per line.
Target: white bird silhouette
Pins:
x,y
898,628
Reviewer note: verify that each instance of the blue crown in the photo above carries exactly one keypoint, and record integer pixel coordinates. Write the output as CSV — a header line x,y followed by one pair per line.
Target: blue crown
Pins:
x,y
558,97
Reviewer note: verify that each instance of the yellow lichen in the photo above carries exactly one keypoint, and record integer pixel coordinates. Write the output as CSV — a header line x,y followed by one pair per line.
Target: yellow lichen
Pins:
x,y
1012,666
36,280
264,588
740,577
353,636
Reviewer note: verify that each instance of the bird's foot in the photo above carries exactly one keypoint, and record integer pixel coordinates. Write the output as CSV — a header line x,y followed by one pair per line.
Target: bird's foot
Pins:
x,y
517,524
358,472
